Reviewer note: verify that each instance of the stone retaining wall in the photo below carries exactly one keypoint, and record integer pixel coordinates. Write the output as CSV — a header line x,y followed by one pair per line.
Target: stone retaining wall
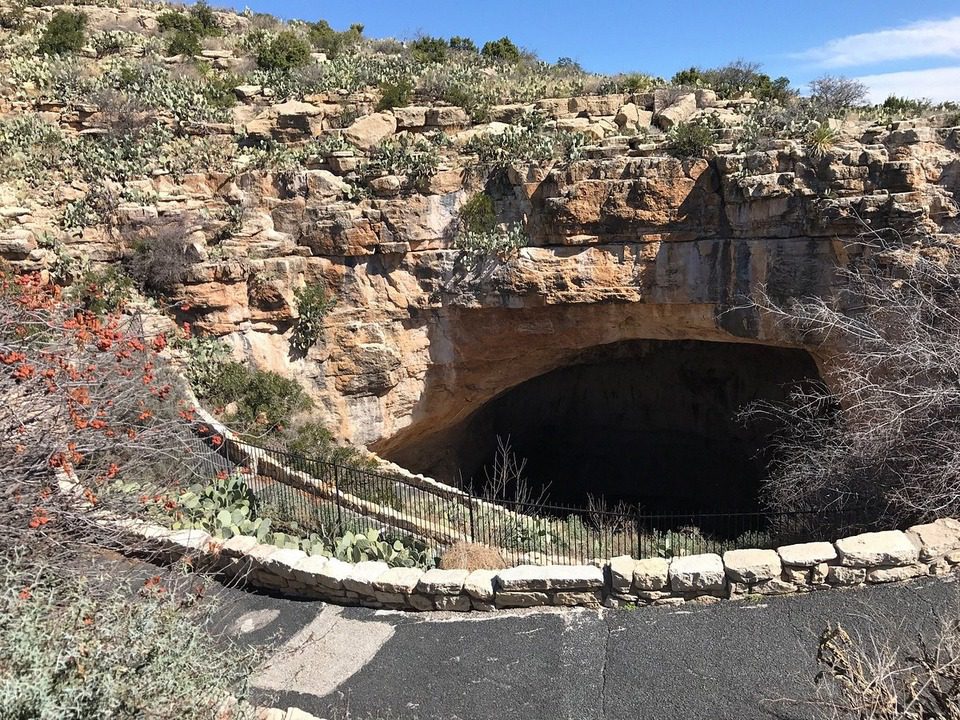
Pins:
x,y
870,558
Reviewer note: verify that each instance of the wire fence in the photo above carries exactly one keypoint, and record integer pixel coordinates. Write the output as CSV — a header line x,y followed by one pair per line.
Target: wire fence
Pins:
x,y
303,496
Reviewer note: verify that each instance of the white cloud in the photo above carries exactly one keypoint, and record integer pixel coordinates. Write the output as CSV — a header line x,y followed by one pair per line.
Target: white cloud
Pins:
x,y
924,39
937,84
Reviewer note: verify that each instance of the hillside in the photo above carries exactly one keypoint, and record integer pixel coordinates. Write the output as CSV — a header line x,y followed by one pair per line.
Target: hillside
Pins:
x,y
336,208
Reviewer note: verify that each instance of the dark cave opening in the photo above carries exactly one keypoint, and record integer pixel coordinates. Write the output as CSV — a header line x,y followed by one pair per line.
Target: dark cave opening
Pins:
x,y
650,423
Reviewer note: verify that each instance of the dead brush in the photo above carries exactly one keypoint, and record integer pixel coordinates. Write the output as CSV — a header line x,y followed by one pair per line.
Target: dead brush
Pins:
x,y
471,556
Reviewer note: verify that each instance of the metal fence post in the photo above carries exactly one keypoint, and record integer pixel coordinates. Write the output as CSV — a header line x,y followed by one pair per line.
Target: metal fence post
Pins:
x,y
336,495
470,506
638,527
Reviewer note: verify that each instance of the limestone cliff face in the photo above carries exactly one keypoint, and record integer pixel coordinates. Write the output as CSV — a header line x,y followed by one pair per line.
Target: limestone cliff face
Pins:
x,y
624,245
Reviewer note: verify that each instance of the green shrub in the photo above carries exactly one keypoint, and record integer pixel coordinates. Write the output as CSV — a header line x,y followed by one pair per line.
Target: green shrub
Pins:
x,y
200,20
463,44
477,215
265,401
312,440
71,651
203,17
819,140
429,49
500,242
218,90
691,77
65,33
102,291
206,357
172,20
394,95
904,107
284,52
333,43
312,306
416,159
690,139
503,49
184,42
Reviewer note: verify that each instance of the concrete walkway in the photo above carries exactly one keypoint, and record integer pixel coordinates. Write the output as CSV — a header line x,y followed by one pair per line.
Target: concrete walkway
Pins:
x,y
725,661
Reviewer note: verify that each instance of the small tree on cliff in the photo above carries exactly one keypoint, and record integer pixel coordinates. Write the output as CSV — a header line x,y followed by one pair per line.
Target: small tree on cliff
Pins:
x,y
885,436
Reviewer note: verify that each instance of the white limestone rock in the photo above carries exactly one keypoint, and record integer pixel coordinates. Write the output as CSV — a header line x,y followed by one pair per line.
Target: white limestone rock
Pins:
x,y
651,574
874,549
752,565
697,573
807,554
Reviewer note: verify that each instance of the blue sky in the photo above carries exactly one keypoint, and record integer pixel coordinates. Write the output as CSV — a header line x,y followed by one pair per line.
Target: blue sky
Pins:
x,y
908,48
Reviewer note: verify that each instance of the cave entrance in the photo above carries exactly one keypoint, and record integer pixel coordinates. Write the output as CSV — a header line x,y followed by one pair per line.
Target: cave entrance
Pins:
x,y
652,423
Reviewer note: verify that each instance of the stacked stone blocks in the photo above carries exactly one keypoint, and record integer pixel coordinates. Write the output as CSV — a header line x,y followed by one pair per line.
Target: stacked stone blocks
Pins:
x,y
866,559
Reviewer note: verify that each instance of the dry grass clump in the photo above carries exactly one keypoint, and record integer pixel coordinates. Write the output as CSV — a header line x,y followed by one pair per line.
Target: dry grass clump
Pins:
x,y
471,556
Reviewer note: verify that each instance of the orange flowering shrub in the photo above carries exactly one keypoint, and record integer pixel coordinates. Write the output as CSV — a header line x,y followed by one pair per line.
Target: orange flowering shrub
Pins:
x,y
86,393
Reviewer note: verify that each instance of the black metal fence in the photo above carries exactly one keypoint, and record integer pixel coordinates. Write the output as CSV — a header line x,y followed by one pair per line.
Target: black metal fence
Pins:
x,y
308,497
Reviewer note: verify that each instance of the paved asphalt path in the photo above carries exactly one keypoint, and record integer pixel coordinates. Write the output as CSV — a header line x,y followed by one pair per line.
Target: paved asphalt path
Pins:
x,y
731,660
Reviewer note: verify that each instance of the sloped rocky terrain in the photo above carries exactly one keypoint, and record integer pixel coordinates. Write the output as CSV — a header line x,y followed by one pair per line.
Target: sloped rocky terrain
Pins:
x,y
598,225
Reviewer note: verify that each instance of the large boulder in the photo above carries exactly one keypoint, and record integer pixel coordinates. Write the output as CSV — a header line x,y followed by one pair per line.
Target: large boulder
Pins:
x,y
681,110
369,131
621,573
697,573
936,539
873,549
442,582
550,577
448,117
807,554
651,574
595,105
289,121
411,116
750,566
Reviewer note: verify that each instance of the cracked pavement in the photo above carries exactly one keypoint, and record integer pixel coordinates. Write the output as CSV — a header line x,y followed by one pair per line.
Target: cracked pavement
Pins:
x,y
728,660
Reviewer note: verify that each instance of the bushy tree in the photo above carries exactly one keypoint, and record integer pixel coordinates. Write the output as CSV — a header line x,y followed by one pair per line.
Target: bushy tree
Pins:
x,y
286,51
503,49
325,39
884,437
463,44
184,42
691,77
690,139
736,79
395,94
429,49
65,33
835,93
186,29
84,394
